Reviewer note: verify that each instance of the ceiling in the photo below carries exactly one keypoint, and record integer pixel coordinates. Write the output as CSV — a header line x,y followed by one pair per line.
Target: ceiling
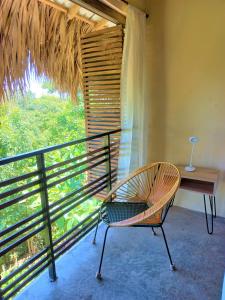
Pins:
x,y
75,11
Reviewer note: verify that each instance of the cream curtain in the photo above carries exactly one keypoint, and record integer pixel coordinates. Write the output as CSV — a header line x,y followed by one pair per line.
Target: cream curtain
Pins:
x,y
133,152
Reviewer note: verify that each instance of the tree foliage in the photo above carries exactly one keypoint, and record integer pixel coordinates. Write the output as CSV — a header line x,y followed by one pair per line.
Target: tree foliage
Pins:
x,y
27,124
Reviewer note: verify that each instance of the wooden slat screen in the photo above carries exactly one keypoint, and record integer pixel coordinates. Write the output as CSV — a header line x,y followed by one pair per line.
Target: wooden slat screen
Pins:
x,y
101,53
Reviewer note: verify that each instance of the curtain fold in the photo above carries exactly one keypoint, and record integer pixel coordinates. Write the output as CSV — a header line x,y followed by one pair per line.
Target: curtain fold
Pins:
x,y
133,152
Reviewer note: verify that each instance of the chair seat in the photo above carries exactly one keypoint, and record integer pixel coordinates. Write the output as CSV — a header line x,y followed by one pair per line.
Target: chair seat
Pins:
x,y
119,211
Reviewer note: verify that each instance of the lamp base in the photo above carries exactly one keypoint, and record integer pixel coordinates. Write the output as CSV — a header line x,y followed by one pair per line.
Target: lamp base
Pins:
x,y
189,168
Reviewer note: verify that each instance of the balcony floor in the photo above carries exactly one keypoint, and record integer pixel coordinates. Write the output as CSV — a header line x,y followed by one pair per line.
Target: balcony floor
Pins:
x,y
136,265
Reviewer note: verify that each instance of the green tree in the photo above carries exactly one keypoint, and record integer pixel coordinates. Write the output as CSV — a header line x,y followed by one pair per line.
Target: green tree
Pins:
x,y
30,123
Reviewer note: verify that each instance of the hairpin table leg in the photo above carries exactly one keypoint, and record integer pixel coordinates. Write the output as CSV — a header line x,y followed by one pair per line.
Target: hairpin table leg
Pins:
x,y
214,202
211,204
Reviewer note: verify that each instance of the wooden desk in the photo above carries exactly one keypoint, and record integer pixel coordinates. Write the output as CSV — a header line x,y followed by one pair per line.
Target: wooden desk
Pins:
x,y
204,181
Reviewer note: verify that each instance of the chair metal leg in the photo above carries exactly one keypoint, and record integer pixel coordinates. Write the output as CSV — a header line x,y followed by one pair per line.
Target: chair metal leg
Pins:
x,y
172,202
172,266
214,200
98,274
96,229
153,231
206,213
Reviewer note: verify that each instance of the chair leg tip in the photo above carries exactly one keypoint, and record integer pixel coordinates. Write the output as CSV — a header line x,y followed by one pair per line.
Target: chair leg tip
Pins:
x,y
99,276
93,242
173,268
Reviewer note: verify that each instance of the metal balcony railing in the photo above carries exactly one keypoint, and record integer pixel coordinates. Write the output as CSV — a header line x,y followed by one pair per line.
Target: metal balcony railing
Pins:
x,y
48,192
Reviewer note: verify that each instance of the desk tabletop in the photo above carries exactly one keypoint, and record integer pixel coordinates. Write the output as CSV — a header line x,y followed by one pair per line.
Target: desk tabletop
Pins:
x,y
200,173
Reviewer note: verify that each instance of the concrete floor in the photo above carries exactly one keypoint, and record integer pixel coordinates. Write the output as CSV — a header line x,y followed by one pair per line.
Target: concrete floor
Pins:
x,y
136,265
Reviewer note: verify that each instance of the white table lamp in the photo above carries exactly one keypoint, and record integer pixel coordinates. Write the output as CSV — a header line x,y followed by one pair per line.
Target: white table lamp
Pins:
x,y
193,140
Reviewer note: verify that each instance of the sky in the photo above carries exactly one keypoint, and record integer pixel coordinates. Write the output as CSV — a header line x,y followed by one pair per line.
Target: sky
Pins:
x,y
35,87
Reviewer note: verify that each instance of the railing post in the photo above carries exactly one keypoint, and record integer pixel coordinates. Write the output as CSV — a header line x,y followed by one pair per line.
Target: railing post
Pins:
x,y
1,296
45,207
108,162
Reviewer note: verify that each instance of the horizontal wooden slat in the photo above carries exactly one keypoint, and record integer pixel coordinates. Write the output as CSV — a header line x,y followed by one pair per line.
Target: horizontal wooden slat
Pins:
x,y
101,68
96,131
103,110
102,73
101,82
100,114
104,99
111,123
102,53
102,106
101,168
102,32
113,32
102,63
102,95
102,88
108,100
100,42
106,57
100,78
102,47
93,105
89,104
102,38
103,121
95,146
101,126
109,92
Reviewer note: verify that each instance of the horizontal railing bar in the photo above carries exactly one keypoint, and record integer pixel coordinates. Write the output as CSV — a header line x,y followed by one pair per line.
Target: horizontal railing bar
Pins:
x,y
88,227
23,266
76,199
75,227
77,203
20,198
23,239
19,189
19,287
20,223
77,191
75,173
7,160
25,274
76,165
18,178
75,158
20,232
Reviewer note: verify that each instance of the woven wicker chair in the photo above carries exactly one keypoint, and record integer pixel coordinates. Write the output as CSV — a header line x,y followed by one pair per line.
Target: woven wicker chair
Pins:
x,y
141,200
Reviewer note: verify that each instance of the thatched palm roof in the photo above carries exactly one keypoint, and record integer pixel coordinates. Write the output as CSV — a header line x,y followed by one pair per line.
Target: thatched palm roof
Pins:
x,y
35,35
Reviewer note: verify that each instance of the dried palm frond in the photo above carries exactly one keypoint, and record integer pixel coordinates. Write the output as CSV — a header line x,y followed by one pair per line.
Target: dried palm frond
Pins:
x,y
34,36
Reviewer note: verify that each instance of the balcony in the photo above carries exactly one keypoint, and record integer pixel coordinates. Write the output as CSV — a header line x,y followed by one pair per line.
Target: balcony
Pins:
x,y
135,265
51,185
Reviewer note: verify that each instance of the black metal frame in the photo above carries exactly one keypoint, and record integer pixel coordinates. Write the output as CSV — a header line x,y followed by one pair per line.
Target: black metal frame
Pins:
x,y
40,181
160,225
212,204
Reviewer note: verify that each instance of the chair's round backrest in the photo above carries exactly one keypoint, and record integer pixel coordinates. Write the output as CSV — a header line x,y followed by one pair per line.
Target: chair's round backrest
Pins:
x,y
148,184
